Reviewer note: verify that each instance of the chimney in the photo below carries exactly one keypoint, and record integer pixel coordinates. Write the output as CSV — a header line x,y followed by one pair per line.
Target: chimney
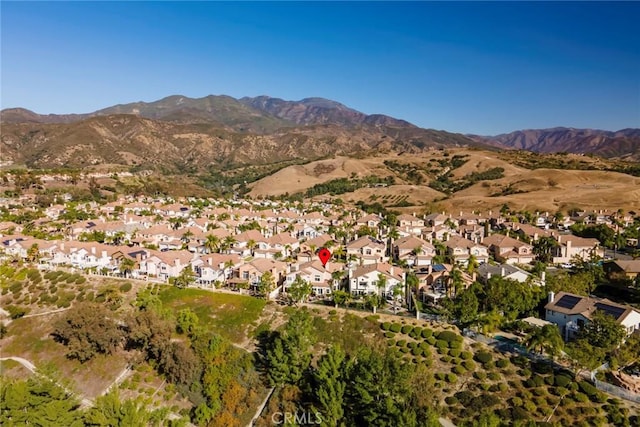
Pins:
x,y
543,277
488,275
502,272
552,296
391,270
93,250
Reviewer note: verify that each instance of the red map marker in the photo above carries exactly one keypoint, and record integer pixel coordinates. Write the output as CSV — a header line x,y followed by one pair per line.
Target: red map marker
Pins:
x,y
324,256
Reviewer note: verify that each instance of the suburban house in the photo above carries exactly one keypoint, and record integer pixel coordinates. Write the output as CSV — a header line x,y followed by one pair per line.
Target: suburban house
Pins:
x,y
252,272
623,269
507,271
215,268
509,250
371,220
368,250
570,246
571,312
364,280
460,250
316,274
413,250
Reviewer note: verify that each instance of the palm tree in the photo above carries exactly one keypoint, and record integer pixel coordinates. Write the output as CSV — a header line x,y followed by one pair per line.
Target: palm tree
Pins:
x,y
228,243
381,284
186,237
339,252
212,243
454,281
472,264
546,340
33,254
398,290
126,265
251,244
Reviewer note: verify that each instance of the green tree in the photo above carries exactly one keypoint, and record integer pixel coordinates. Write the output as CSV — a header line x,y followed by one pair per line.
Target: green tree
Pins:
x,y
381,283
126,266
603,331
543,248
186,321
329,385
267,284
289,353
212,243
545,340
185,279
112,410
86,330
38,401
583,355
299,290
466,307
341,298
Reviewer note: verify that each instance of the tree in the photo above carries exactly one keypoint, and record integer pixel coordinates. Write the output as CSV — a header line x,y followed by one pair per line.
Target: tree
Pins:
x,y
397,292
37,401
289,353
454,281
33,254
603,331
87,330
329,385
546,340
212,243
543,248
251,245
179,363
267,284
228,242
381,284
466,306
185,278
186,321
126,265
472,264
112,410
341,298
373,301
584,355
299,290
378,381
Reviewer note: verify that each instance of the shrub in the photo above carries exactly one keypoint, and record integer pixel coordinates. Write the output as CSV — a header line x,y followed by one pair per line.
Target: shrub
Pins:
x,y
443,351
561,380
445,359
525,373
440,376
16,312
502,363
464,397
469,365
441,344
529,406
80,280
456,345
432,340
542,368
406,329
451,378
126,287
416,351
385,326
516,401
451,400
426,333
454,352
483,357
425,347
395,327
580,397
587,388
417,331
404,349
550,380
503,387
401,343
449,336
389,334
494,376
518,413
480,375
466,355
459,370
412,345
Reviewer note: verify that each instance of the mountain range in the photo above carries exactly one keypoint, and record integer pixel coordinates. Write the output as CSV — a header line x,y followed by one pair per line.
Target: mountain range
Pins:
x,y
178,132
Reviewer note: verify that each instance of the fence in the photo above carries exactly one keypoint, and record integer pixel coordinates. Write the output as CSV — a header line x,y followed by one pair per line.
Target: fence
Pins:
x,y
617,391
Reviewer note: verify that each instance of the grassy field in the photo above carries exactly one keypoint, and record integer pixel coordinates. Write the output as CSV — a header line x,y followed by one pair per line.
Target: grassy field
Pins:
x,y
226,314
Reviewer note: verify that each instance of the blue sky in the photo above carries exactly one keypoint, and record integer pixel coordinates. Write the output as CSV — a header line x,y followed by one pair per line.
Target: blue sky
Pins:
x,y
476,67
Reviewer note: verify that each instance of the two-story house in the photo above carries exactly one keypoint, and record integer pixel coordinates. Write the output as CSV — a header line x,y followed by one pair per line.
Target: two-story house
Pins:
x,y
509,250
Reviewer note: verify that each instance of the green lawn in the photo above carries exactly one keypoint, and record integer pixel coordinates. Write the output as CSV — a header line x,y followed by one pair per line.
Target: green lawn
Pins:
x,y
226,314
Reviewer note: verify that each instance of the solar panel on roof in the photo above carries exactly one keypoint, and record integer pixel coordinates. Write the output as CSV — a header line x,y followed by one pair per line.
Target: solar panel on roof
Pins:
x,y
568,301
439,267
616,312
